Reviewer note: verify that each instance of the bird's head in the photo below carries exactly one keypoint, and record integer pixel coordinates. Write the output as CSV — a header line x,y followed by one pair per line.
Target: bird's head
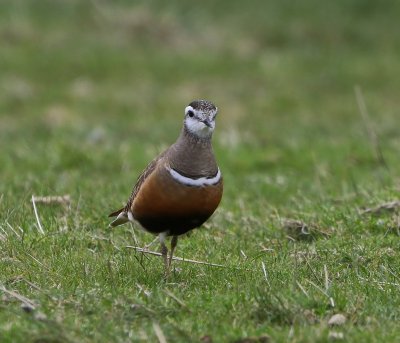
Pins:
x,y
200,118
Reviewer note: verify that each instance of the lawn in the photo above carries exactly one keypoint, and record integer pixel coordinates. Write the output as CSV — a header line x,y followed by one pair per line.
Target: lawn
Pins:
x,y
307,140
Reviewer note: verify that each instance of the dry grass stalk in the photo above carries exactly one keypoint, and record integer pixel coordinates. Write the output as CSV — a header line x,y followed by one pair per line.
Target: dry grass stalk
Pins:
x,y
159,333
331,301
302,289
176,258
13,230
173,296
265,273
53,199
387,207
40,228
24,300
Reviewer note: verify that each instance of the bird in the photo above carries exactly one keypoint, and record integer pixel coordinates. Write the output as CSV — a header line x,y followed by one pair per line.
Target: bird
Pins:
x,y
182,187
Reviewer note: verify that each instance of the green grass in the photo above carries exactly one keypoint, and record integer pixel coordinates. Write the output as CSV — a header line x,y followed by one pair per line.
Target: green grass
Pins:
x,y
92,91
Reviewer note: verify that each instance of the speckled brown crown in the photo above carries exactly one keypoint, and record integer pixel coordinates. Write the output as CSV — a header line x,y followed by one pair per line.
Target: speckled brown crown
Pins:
x,y
203,105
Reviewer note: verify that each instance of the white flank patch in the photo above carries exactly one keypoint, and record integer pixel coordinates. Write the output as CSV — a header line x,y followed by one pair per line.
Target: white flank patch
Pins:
x,y
202,181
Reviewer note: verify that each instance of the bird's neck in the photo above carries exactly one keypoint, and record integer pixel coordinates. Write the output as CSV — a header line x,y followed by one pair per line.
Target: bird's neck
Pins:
x,y
192,155
192,140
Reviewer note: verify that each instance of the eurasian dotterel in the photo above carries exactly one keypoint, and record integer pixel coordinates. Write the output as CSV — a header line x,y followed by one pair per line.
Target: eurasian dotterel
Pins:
x,y
182,187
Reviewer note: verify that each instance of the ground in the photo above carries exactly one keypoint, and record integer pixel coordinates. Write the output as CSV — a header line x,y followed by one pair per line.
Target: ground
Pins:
x,y
307,140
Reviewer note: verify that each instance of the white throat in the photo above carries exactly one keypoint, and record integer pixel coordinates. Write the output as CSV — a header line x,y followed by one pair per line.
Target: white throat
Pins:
x,y
198,128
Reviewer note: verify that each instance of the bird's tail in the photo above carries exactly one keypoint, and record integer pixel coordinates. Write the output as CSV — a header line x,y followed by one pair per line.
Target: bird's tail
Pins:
x,y
116,213
122,217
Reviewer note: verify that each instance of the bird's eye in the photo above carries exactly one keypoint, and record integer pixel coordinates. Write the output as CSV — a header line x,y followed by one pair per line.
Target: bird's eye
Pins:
x,y
190,114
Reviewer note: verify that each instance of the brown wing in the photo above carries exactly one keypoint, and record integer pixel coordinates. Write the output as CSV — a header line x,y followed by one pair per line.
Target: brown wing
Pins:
x,y
142,177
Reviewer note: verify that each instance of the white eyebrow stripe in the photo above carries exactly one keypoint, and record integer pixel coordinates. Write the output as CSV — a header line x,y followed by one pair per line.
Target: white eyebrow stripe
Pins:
x,y
202,181
188,108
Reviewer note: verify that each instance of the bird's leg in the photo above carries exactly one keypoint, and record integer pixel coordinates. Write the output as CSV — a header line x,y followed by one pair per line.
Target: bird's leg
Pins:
x,y
164,253
174,242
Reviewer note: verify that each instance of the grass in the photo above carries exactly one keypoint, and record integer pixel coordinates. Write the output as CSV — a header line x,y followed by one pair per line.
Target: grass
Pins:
x,y
92,91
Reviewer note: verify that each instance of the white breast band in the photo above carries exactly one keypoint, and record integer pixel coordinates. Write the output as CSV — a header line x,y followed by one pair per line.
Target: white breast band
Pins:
x,y
202,181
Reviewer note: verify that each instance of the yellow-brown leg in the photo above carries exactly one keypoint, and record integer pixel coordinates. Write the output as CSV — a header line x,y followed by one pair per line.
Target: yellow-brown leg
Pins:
x,y
164,253
174,242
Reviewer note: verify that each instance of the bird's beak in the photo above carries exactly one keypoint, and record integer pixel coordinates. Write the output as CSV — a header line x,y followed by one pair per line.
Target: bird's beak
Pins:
x,y
207,123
